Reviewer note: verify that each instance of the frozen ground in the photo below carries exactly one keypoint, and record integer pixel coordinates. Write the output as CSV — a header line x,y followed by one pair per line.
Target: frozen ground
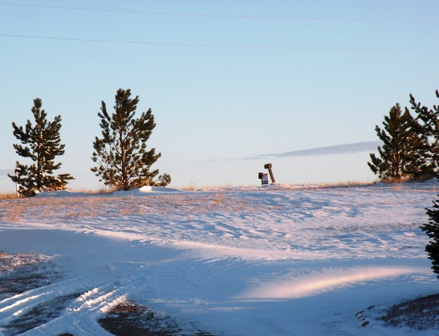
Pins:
x,y
289,260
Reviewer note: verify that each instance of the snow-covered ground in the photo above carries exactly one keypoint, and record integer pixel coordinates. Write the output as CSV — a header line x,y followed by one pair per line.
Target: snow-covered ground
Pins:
x,y
285,260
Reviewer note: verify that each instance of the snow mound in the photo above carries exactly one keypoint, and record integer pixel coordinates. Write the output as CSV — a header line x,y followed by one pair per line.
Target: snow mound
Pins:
x,y
63,193
146,190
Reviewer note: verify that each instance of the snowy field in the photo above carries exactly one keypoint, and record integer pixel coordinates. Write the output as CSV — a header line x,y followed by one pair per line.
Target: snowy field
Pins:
x,y
285,260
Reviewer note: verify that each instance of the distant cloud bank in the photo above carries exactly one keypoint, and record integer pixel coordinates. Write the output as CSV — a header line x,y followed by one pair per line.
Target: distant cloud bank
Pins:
x,y
367,146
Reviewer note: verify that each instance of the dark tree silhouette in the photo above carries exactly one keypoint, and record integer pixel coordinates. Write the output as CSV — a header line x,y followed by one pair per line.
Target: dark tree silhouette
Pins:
x,y
428,119
398,158
123,162
432,230
41,143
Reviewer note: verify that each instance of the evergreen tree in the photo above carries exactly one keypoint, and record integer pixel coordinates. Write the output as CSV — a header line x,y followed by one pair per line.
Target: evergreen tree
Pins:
x,y
418,165
432,230
398,158
428,119
121,156
41,143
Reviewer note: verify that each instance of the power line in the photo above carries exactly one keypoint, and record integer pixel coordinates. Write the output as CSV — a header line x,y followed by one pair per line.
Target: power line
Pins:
x,y
246,17
223,46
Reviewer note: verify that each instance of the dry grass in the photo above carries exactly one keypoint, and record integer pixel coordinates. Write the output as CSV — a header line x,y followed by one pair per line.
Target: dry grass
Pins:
x,y
5,196
13,214
191,187
130,319
15,209
88,204
101,191
346,184
417,314
218,200
99,203
420,313
65,209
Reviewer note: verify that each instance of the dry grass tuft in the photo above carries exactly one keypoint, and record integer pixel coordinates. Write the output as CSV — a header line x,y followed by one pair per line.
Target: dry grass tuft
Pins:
x,y
218,200
6,196
342,184
13,214
101,191
129,319
420,314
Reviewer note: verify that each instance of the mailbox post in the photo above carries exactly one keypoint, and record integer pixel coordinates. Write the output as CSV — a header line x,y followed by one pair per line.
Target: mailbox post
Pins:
x,y
264,177
268,166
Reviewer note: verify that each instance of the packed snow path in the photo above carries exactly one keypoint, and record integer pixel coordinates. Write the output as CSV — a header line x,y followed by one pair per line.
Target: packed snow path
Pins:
x,y
273,261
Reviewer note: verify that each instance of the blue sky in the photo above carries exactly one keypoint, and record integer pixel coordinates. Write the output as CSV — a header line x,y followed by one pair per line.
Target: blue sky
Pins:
x,y
226,80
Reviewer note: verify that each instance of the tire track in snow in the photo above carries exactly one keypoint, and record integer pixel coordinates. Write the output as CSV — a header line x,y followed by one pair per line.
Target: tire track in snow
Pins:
x,y
82,313
18,306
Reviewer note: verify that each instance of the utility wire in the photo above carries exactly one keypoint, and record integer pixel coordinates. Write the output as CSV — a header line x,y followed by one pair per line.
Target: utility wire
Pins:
x,y
223,46
246,17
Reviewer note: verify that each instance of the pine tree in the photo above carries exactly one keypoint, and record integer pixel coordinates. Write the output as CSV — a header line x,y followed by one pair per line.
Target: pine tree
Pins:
x,y
432,230
41,143
418,165
398,157
428,119
121,156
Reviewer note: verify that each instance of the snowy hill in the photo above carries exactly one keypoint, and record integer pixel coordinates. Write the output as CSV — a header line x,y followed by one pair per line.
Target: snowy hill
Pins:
x,y
272,261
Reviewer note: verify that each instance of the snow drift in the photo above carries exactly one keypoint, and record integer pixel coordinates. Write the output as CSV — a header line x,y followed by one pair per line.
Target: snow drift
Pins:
x,y
256,261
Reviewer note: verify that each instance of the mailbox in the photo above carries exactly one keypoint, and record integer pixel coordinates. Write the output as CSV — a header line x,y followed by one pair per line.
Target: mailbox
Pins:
x,y
263,177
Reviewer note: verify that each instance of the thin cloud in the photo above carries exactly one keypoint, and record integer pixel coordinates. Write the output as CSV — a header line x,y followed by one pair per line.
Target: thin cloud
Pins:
x,y
366,146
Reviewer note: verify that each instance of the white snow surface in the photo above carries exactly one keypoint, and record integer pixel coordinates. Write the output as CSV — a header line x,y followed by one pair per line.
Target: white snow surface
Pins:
x,y
284,260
